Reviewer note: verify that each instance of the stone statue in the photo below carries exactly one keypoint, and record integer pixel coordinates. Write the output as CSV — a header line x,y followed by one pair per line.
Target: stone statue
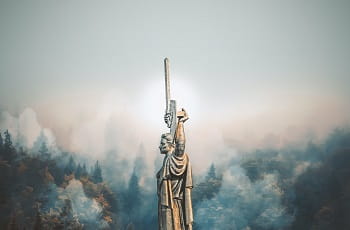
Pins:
x,y
174,179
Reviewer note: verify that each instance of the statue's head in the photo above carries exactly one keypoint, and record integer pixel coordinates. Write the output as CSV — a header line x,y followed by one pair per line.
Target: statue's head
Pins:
x,y
166,143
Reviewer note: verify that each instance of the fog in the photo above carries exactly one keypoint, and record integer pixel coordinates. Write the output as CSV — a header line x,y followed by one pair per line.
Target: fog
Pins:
x,y
265,85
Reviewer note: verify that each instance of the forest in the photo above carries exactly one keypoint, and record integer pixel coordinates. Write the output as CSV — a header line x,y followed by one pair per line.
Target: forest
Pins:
x,y
295,187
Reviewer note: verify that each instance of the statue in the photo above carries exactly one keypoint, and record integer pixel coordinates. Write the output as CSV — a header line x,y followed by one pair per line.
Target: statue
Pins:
x,y
174,179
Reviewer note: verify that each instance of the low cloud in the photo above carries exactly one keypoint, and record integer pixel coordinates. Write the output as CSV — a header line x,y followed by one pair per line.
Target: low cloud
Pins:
x,y
25,129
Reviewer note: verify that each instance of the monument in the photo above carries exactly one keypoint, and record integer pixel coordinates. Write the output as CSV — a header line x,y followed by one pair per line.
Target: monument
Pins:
x,y
174,179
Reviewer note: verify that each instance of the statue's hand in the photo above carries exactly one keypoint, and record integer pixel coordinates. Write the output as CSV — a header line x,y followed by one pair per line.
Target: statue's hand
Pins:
x,y
185,116
167,119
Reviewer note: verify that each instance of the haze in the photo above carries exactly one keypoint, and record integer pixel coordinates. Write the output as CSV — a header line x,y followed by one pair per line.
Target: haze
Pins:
x,y
250,73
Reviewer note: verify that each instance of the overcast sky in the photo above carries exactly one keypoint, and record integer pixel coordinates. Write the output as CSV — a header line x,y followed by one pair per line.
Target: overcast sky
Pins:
x,y
248,64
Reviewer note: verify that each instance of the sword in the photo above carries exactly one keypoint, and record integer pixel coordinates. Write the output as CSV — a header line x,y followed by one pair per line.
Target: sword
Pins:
x,y
170,108
167,88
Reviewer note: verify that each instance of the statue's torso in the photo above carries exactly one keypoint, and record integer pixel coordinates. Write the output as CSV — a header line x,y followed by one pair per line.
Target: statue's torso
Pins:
x,y
173,207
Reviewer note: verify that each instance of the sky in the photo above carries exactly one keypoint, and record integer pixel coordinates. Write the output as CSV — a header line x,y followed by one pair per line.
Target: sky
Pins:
x,y
250,73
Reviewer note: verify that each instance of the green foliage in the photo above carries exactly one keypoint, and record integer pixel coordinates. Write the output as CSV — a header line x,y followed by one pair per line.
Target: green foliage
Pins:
x,y
44,151
211,173
84,172
8,142
7,149
133,203
78,172
32,187
97,173
71,166
1,141
207,189
133,192
322,193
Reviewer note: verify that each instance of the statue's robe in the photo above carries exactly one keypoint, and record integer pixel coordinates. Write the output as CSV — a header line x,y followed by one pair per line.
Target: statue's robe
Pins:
x,y
174,193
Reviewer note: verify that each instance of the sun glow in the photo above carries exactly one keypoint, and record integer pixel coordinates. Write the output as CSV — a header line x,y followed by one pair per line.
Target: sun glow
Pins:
x,y
152,103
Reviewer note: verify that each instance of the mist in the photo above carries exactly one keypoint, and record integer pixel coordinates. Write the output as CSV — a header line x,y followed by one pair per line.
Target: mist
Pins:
x,y
82,102
254,186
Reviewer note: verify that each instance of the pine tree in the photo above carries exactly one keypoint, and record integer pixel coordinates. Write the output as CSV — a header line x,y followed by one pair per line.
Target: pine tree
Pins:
x,y
1,145
44,151
78,172
71,166
1,141
84,172
92,170
39,141
134,193
8,142
97,173
211,172
208,188
9,150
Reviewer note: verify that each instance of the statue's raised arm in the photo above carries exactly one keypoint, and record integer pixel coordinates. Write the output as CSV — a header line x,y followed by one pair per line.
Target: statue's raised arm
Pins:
x,y
180,140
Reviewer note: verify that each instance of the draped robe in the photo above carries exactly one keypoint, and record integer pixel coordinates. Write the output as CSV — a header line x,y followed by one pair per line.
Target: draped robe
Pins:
x,y
174,181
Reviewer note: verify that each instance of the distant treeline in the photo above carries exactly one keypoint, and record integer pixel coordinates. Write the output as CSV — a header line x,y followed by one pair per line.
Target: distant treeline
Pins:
x,y
289,188
37,191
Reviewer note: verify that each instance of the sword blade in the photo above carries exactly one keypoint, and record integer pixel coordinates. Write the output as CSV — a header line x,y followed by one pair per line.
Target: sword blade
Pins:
x,y
167,85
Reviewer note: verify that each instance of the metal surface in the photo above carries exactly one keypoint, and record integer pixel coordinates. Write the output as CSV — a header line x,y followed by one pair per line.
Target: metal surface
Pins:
x,y
167,88
174,179
173,122
170,105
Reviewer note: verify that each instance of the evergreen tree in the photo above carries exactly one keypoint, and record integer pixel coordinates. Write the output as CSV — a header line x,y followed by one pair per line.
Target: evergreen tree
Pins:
x,y
1,145
71,166
84,172
133,202
9,150
78,172
37,145
97,173
1,141
92,170
208,188
133,192
20,141
211,172
8,142
44,151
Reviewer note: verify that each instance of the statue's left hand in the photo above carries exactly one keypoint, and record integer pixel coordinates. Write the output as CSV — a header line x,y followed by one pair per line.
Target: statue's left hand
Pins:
x,y
185,117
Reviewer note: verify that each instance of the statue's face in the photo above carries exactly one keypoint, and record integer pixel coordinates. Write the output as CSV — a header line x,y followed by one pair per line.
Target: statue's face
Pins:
x,y
165,146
